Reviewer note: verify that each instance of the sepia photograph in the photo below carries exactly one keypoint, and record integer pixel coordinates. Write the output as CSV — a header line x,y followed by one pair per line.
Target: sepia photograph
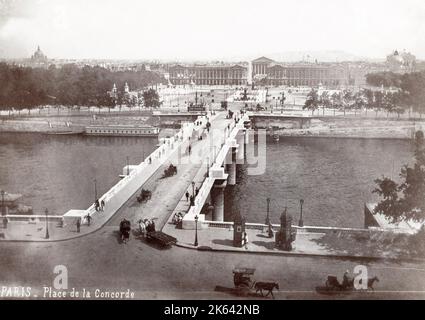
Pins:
x,y
212,150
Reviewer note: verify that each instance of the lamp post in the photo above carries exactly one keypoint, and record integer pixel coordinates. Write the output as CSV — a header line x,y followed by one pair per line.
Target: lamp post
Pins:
x,y
208,167
196,231
2,203
95,190
268,210
193,188
47,225
301,222
128,168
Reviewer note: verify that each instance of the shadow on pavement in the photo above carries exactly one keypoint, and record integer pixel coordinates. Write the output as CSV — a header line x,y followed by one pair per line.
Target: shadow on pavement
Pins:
x,y
266,244
226,242
263,236
237,292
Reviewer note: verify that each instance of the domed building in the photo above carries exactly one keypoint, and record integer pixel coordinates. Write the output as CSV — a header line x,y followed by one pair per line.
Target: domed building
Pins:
x,y
401,62
39,57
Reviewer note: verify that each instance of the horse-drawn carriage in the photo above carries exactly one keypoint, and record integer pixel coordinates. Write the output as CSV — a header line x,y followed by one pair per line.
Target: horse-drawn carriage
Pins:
x,y
144,196
332,285
170,171
125,228
177,218
148,230
244,284
242,280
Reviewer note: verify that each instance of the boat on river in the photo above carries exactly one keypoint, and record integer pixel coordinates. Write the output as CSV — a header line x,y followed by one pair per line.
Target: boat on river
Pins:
x,y
9,203
122,131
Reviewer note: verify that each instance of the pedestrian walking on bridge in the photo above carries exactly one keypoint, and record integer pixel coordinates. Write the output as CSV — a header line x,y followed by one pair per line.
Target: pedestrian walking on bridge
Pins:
x,y
88,218
187,196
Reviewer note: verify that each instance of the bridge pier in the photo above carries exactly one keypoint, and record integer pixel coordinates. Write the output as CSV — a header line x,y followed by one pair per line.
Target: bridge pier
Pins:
x,y
217,195
241,147
231,168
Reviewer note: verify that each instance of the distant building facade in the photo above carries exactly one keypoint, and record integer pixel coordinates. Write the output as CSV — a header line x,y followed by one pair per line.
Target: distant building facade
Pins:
x,y
401,62
208,74
267,71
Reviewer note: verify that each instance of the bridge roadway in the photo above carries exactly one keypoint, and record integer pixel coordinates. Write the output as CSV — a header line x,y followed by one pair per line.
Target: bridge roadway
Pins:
x,y
168,192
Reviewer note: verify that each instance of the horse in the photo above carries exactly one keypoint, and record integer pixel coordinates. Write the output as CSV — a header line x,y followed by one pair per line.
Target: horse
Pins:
x,y
371,281
142,227
269,286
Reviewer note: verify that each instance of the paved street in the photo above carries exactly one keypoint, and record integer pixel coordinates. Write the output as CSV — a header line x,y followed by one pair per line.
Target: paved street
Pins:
x,y
100,261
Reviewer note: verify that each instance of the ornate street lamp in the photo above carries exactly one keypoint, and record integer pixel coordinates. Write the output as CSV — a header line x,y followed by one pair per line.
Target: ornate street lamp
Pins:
x,y
47,225
196,231
268,210
95,190
301,222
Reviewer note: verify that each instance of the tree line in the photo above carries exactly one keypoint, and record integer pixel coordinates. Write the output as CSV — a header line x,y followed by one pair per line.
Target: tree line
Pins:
x,y
398,93
396,101
70,85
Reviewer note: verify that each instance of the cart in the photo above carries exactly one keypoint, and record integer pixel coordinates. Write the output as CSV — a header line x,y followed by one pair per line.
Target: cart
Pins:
x,y
161,238
125,228
242,280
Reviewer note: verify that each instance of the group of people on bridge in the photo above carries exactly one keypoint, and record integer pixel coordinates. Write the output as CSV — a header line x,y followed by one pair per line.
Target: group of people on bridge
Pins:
x,y
99,205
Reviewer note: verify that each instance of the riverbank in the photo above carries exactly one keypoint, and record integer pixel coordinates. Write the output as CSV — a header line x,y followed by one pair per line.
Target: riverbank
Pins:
x,y
340,127
71,125
405,133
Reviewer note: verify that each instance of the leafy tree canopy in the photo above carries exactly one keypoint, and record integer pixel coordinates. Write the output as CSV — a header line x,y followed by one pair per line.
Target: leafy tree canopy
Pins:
x,y
70,85
405,200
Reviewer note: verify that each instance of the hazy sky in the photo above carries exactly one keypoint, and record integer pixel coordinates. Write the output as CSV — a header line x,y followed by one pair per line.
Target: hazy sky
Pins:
x,y
208,29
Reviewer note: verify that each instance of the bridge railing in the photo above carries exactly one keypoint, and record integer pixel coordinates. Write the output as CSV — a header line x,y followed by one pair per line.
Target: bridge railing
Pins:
x,y
158,158
32,218
311,229
208,183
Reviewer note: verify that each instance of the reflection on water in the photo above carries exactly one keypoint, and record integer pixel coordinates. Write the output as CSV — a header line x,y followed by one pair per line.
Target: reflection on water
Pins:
x,y
57,172
333,176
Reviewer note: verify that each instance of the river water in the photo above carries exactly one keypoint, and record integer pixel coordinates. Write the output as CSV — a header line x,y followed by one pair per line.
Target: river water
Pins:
x,y
333,176
58,172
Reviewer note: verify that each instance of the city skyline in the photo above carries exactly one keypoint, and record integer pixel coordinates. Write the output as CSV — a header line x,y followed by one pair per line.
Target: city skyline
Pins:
x,y
218,30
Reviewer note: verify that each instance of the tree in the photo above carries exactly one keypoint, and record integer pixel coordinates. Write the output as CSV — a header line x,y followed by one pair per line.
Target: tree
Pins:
x,y
405,201
336,100
325,101
347,100
312,101
151,98
378,101
360,101
368,98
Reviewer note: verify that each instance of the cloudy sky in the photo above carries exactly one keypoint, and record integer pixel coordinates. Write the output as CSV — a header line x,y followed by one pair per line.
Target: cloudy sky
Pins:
x,y
208,29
